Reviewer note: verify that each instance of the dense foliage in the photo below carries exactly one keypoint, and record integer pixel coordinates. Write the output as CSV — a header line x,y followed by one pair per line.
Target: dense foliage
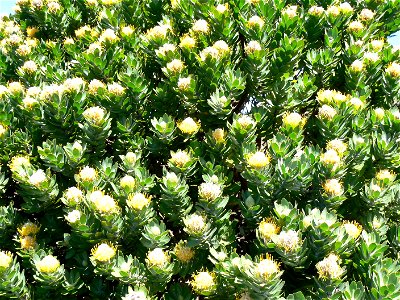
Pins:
x,y
241,149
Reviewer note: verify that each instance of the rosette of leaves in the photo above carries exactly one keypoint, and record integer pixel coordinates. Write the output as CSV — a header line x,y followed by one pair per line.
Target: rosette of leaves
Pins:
x,y
174,201
13,283
155,235
164,131
160,268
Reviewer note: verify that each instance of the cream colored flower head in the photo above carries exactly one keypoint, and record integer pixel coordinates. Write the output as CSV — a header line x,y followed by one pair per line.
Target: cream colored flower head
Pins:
x,y
346,8
356,26
288,240
116,89
189,126
329,267
293,120
255,22
187,42
48,264
195,224
258,160
103,252
176,66
184,83
366,15
88,174
252,47
158,258
73,216
327,112
210,191
138,201
183,253
28,228
266,268
73,195
333,187
204,283
219,135
5,260
201,26
38,178
393,70
338,145
316,11
245,121
330,158
268,228
94,115
180,158
353,229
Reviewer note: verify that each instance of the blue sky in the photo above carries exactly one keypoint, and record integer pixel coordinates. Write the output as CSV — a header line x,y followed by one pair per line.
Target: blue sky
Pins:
x,y
6,8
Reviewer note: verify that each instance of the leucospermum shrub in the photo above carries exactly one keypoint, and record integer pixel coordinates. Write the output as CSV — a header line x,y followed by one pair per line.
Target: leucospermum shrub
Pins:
x,y
239,149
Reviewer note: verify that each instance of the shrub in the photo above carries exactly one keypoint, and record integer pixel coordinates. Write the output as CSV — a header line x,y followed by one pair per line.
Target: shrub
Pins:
x,y
241,149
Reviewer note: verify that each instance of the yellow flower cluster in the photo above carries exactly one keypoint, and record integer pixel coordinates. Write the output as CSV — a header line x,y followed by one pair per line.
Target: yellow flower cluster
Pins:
x,y
183,253
103,252
329,267
204,283
353,229
5,260
333,187
103,203
258,160
267,267
180,158
48,264
189,126
268,228
158,258
28,233
138,201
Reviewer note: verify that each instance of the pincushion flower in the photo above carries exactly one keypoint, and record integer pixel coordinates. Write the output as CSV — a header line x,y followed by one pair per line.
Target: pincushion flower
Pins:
x,y
371,57
258,160
333,187
15,87
73,216
210,191
104,204
393,70
138,201
73,84
329,267
187,42
222,8
158,32
195,224
73,195
53,7
200,26
293,120
288,240
252,47
48,264
5,260
327,112
290,11
184,83
356,26
69,41
19,161
316,11
222,47
346,8
333,11
29,67
94,115
183,253
266,268
209,52
3,130
357,66
377,45
127,30
164,49
176,66
158,258
330,158
366,14
37,178
204,283
127,182
384,175
338,145
88,174
219,135
357,103
353,229
28,242
255,21
180,158
103,252
189,126
95,85
115,89
245,121
268,228
28,228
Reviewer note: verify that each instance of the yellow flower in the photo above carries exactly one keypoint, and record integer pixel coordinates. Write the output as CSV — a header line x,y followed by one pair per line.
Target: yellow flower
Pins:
x,y
377,45
267,267
127,182
104,203
69,41
258,160
28,103
73,195
222,8
73,84
366,15
82,31
326,112
357,66
204,283
5,259
200,26
252,47
88,174
333,187
48,264
316,11
158,32
18,162
94,115
293,120
371,57
24,50
338,145
333,11
28,228
255,21
356,26
290,11
346,8
329,267
353,229
110,2
385,175
222,48
219,135
183,253
180,158
29,67
189,126
184,83
209,52
138,201
176,66
288,240
195,224
187,42
3,130
115,89
210,191
28,242
330,157
245,121
393,70
109,36
53,7
325,96
15,87
103,252
379,113
357,103
268,228
158,258
127,30
95,85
